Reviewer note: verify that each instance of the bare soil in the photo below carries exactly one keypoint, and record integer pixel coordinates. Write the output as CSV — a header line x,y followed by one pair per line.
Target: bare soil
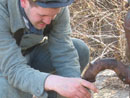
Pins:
x,y
110,86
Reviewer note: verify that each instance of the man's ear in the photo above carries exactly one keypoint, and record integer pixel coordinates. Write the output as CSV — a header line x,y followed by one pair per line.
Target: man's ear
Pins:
x,y
23,3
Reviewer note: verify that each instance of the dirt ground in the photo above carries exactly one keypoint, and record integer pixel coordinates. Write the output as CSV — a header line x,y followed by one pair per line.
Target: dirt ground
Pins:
x,y
110,86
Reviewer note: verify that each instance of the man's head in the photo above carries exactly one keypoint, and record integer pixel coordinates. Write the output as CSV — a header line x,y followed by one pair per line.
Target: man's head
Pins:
x,y
41,12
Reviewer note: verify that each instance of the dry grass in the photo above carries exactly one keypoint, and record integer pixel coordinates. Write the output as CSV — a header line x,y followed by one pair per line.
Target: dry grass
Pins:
x,y
100,24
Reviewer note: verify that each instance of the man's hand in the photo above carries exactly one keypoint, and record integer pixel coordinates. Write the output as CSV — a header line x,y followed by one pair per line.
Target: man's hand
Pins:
x,y
69,87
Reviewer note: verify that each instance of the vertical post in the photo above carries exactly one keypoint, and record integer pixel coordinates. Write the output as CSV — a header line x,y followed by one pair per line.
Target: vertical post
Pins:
x,y
127,33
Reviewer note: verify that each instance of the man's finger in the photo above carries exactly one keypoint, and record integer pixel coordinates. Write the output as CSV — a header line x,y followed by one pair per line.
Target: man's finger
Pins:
x,y
89,85
81,95
87,94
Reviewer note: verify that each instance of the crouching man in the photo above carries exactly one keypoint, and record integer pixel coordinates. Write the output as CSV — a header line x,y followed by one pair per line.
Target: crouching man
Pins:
x,y
27,59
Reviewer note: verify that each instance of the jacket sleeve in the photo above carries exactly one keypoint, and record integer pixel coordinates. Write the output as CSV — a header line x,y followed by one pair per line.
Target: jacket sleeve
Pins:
x,y
13,65
64,56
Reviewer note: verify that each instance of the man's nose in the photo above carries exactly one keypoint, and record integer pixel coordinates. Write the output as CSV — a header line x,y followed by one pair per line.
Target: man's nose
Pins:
x,y
47,20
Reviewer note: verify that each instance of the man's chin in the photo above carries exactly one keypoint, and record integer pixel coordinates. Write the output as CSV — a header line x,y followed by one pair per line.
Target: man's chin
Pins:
x,y
40,27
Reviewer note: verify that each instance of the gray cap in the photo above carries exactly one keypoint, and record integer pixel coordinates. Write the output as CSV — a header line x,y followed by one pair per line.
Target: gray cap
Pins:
x,y
53,3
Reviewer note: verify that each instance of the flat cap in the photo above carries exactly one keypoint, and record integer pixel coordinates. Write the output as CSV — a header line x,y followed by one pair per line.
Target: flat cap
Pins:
x,y
53,3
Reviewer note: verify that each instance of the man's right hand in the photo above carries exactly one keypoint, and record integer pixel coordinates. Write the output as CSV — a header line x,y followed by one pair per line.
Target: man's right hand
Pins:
x,y
69,87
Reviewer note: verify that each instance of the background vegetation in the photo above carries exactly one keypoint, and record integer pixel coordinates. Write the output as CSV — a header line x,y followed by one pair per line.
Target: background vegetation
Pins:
x,y
100,24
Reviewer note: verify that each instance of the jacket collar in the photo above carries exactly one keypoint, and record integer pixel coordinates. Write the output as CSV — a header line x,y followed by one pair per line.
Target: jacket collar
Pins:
x,y
16,19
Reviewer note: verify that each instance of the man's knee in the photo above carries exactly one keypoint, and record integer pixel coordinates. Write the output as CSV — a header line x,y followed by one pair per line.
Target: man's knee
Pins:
x,y
83,52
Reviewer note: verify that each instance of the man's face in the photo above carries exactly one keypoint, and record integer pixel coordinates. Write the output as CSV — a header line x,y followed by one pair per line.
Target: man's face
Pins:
x,y
38,16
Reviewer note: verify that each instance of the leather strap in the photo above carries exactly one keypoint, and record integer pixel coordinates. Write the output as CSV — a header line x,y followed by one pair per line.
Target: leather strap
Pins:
x,y
18,35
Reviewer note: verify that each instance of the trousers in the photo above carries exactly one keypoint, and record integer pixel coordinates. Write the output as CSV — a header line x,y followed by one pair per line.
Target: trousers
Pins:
x,y
39,58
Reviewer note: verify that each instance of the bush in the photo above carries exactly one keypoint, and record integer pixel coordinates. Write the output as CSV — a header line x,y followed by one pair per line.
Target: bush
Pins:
x,y
100,24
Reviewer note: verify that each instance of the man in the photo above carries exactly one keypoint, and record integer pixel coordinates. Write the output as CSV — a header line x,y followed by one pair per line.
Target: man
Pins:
x,y
27,60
